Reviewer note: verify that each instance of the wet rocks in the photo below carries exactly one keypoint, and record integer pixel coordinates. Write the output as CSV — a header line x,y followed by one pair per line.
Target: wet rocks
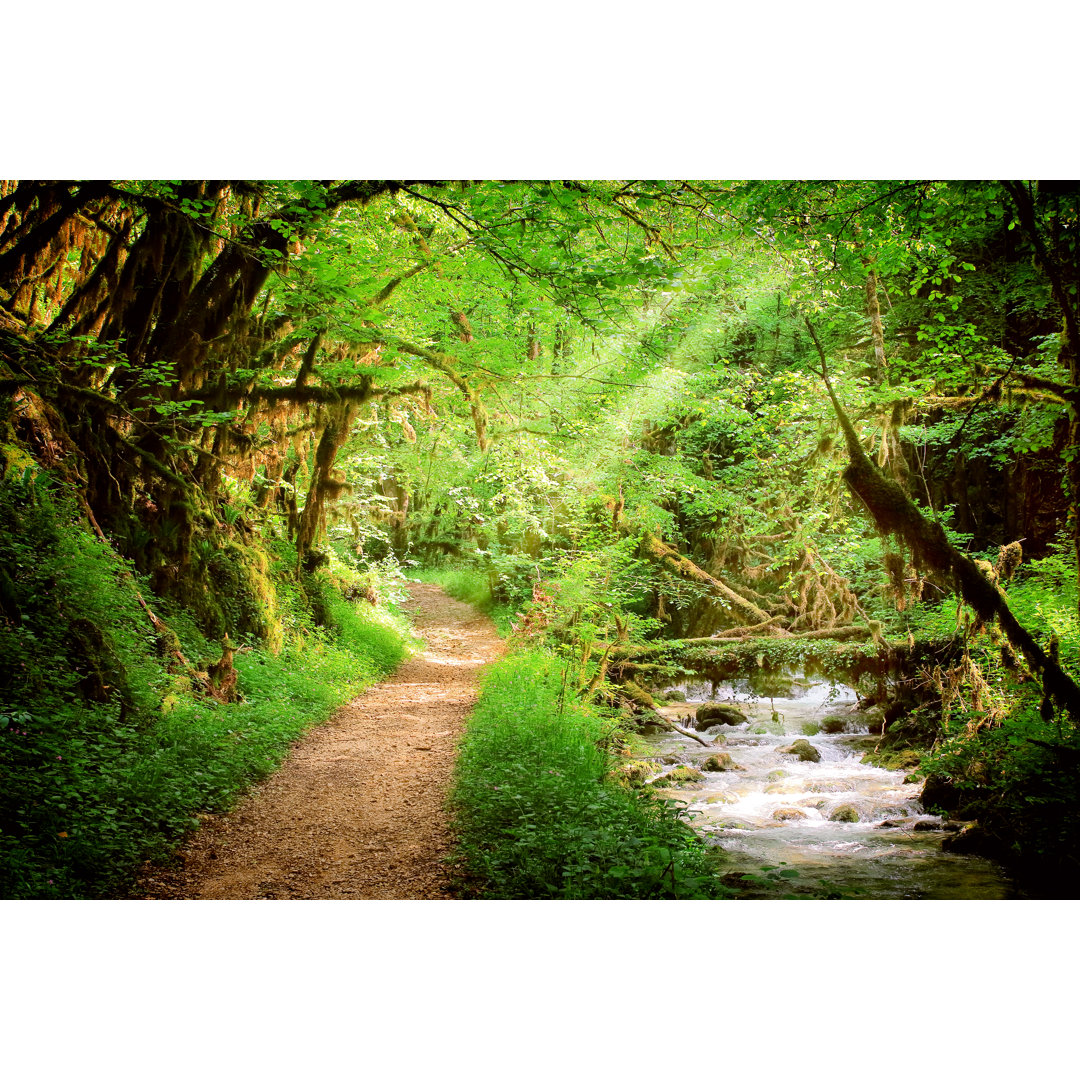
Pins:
x,y
845,812
788,813
830,787
875,718
802,749
972,839
714,712
840,724
719,763
681,774
635,773
722,797
649,727
894,758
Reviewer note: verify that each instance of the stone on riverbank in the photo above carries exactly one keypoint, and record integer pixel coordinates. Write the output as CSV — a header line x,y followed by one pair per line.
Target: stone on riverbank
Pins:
x,y
802,749
713,712
682,774
719,763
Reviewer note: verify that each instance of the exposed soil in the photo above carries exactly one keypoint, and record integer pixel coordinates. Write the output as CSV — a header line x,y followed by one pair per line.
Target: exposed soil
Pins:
x,y
357,811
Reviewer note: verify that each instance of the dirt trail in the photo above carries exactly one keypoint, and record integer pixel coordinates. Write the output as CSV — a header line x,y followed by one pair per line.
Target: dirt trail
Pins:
x,y
357,810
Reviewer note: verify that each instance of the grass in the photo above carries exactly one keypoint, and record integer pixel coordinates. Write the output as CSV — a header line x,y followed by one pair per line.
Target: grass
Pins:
x,y
537,815
113,798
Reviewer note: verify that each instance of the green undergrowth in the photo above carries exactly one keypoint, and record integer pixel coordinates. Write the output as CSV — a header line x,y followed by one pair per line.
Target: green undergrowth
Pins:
x,y
107,750
538,814
472,586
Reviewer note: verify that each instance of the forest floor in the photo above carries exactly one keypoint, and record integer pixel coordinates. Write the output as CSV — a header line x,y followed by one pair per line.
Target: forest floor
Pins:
x,y
358,810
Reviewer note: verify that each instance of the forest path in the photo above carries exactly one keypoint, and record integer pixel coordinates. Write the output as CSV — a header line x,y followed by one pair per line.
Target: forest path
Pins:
x,y
357,811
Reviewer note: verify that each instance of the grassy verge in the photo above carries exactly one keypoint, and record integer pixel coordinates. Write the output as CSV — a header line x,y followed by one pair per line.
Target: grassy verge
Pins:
x,y
537,815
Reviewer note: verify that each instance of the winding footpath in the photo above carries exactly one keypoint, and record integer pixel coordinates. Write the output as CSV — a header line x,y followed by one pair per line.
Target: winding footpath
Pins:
x,y
358,810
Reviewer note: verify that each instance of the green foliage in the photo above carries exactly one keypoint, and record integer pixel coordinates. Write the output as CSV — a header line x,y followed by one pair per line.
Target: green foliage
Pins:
x,y
537,814
543,373
1020,779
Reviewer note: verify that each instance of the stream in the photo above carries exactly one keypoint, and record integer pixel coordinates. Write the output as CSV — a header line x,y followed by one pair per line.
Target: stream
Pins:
x,y
775,810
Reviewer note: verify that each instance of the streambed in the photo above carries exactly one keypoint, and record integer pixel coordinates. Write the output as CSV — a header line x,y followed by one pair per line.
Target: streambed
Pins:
x,y
774,809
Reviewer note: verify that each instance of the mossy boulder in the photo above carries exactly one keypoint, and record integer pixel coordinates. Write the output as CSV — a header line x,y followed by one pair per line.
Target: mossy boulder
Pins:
x,y
635,773
645,726
714,712
789,813
845,813
972,839
674,695
803,750
894,759
719,763
681,774
722,797
941,795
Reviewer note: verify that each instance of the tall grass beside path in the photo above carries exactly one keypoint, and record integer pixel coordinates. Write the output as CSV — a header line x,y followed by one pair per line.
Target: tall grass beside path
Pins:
x,y
536,813
93,788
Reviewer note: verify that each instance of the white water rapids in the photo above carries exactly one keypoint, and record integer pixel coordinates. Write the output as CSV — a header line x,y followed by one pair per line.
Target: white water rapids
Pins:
x,y
775,810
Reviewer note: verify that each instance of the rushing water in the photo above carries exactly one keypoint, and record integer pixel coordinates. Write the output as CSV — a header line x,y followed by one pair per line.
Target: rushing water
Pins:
x,y
775,810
